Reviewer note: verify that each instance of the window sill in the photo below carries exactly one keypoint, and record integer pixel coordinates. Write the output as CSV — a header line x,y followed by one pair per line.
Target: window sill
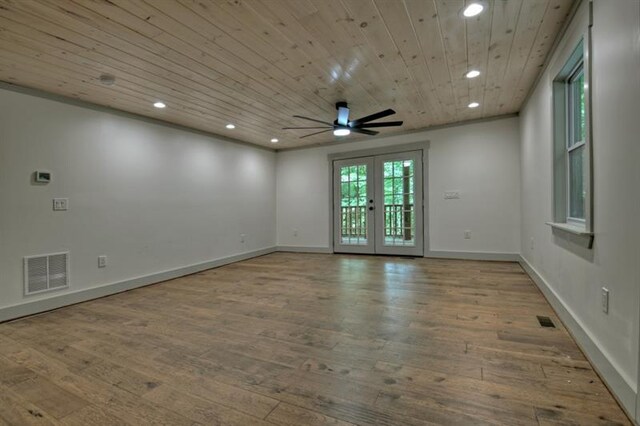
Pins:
x,y
576,230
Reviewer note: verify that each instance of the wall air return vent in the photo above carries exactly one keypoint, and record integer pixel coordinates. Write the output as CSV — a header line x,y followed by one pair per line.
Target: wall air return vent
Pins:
x,y
46,273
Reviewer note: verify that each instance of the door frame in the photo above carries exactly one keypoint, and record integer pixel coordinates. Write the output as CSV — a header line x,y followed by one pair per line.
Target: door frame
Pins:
x,y
372,152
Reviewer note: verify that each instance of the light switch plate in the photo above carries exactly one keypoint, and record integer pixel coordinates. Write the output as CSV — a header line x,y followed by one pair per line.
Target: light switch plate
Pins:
x,y
605,300
60,204
451,195
102,261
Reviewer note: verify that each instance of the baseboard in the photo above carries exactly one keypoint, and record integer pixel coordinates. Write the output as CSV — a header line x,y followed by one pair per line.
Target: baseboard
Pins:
x,y
616,382
465,255
305,249
474,255
37,306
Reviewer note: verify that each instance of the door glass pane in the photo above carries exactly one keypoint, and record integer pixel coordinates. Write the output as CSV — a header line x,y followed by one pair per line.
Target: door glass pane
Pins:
x,y
399,203
576,184
353,205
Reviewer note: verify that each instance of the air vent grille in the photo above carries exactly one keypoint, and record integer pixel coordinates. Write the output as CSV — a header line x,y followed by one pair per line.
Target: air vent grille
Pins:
x,y
46,272
545,321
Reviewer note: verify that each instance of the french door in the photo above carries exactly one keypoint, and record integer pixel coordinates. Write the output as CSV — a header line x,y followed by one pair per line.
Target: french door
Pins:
x,y
378,204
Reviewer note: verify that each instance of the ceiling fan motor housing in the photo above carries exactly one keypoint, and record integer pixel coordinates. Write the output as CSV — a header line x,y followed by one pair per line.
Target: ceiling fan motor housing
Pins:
x,y
342,119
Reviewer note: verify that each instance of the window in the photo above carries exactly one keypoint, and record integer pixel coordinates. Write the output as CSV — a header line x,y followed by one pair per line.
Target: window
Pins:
x,y
576,123
572,160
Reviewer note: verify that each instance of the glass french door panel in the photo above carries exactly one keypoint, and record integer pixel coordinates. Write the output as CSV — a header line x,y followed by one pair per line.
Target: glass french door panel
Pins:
x,y
399,208
353,204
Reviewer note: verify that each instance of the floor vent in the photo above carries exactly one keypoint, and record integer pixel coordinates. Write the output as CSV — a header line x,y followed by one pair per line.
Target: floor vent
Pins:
x,y
546,322
46,273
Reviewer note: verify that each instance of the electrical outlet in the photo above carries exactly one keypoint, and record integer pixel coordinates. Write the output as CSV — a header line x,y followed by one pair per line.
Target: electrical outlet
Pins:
x,y
242,237
605,300
60,204
467,235
102,261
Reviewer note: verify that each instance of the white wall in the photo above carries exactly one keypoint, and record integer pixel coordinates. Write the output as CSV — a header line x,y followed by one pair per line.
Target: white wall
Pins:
x,y
150,197
481,160
575,274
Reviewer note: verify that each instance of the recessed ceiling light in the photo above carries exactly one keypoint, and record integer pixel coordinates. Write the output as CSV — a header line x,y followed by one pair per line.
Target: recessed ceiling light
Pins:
x,y
159,105
473,9
107,79
473,74
230,126
474,105
274,140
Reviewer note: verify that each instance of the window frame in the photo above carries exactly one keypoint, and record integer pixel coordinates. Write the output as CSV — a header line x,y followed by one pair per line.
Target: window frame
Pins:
x,y
574,64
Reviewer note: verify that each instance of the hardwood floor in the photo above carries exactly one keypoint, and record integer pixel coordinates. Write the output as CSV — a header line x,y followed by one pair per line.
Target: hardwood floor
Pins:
x,y
303,339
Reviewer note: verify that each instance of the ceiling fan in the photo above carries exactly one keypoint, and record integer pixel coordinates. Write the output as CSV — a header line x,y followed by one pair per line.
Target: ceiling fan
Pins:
x,y
342,126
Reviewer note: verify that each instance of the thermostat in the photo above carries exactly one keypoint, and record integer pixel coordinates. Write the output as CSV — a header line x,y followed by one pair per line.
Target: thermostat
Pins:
x,y
43,177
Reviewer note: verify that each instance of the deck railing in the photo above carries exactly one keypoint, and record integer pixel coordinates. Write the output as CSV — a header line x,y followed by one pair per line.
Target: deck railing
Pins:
x,y
354,221
397,221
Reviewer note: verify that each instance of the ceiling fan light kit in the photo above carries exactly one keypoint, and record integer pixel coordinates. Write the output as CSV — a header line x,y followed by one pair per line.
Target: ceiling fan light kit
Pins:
x,y
342,126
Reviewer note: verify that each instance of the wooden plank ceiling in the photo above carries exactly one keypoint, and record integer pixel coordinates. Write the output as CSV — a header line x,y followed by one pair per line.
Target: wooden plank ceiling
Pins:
x,y
256,63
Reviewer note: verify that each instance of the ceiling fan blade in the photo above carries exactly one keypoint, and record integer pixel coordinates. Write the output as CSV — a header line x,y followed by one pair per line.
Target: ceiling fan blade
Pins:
x,y
316,133
343,116
377,115
313,119
364,131
383,124
293,128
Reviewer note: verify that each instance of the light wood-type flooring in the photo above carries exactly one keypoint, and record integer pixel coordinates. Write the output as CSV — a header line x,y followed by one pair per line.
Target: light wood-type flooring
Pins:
x,y
306,339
